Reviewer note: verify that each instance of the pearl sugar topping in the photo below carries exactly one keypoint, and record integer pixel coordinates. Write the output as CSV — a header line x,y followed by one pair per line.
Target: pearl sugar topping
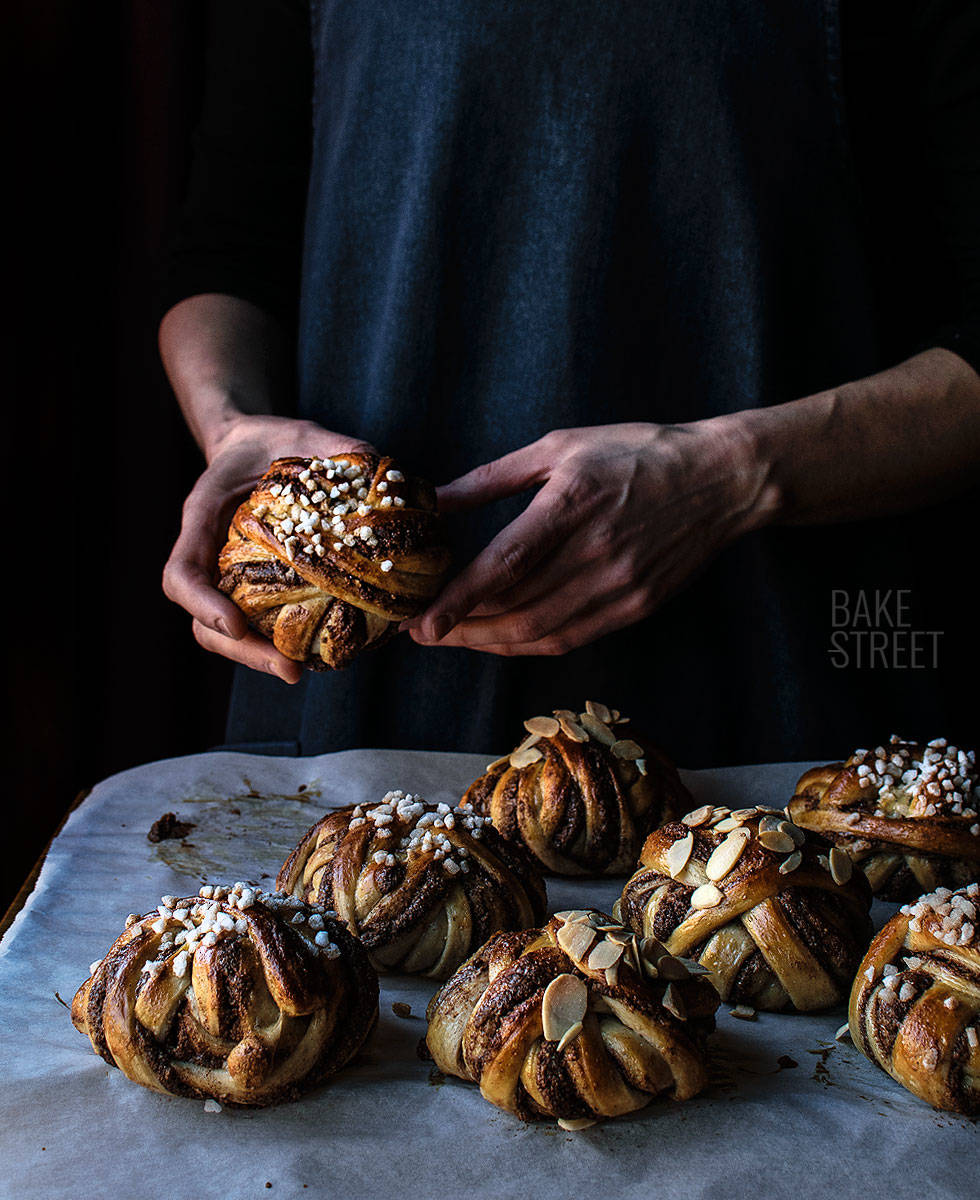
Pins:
x,y
405,826
185,926
937,780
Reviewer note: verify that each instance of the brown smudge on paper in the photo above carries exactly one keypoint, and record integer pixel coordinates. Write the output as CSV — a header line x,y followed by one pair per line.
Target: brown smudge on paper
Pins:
x,y
245,835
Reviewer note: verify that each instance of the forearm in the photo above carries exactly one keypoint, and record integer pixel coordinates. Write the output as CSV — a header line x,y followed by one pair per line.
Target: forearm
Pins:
x,y
888,443
224,358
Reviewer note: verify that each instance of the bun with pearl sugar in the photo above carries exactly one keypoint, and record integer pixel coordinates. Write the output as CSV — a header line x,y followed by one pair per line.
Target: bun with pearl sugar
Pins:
x,y
915,1004
576,1021
419,884
778,916
327,556
234,995
906,813
581,792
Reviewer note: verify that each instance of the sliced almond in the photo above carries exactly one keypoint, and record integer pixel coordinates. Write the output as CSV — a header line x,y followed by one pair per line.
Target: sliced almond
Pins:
x,y
574,1124
743,814
596,729
841,866
771,822
532,739
743,1012
719,814
563,1006
630,750
641,765
694,967
843,1033
673,1002
651,950
725,856
542,726
524,758
700,816
573,914
678,854
777,841
599,711
707,896
575,939
728,824
499,762
572,729
570,1035
617,909
669,967
604,955
794,831
791,863
619,935
612,974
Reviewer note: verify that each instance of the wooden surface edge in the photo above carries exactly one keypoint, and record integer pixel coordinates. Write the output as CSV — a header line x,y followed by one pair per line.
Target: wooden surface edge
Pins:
x,y
25,889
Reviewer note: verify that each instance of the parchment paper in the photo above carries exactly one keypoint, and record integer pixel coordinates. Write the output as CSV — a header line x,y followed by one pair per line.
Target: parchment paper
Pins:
x,y
790,1112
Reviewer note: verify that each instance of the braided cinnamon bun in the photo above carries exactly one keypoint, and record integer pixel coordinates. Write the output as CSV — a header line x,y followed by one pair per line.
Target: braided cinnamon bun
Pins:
x,y
906,813
579,793
577,1021
420,884
775,914
327,556
915,1004
235,995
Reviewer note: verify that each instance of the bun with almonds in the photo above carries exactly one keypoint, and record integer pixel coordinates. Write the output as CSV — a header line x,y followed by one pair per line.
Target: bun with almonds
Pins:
x,y
775,914
234,995
576,1021
906,813
420,884
581,792
915,1004
327,556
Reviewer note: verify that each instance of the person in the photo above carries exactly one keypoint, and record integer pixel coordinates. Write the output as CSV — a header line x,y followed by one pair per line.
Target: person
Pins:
x,y
679,304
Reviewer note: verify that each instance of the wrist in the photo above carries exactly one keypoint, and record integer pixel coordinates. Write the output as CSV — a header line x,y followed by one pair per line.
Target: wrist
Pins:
x,y
746,458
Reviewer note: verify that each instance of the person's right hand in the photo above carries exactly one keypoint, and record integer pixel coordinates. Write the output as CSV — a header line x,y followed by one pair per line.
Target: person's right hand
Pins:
x,y
236,460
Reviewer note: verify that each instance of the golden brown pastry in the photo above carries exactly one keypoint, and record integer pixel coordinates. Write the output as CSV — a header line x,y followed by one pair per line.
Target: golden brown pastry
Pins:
x,y
578,1020
327,556
775,914
420,884
580,792
234,995
915,1004
906,813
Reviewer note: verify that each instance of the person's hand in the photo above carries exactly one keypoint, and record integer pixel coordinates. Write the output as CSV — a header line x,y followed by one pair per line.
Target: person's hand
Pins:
x,y
624,516
237,459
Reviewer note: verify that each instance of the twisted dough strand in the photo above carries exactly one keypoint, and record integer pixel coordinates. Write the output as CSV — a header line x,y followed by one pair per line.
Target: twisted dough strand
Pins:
x,y
252,1014
905,838
777,929
419,884
640,1033
582,797
326,557
915,1004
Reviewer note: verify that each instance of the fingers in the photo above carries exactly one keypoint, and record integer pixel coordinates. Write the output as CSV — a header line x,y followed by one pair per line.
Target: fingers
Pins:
x,y
592,622
546,522
188,574
251,650
515,472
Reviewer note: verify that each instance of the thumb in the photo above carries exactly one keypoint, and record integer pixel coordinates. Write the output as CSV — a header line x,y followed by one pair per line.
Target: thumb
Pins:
x,y
527,467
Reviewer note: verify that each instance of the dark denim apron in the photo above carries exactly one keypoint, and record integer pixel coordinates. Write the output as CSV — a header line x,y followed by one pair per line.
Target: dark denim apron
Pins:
x,y
530,214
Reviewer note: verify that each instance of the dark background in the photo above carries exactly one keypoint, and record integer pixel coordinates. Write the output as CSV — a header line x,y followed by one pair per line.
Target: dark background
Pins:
x,y
103,672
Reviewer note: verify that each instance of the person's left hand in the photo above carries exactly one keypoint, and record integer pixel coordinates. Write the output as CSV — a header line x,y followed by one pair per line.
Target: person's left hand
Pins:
x,y
624,516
